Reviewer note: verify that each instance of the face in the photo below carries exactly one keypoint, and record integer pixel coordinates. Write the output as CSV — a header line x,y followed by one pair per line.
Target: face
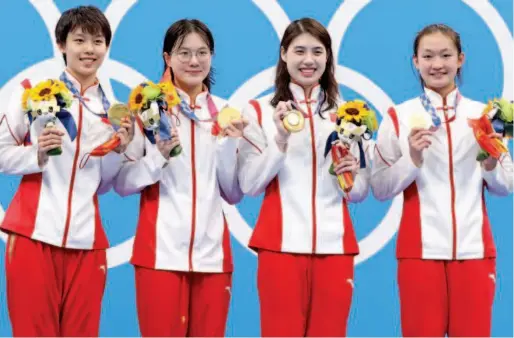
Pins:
x,y
190,62
306,60
45,109
84,52
438,61
349,132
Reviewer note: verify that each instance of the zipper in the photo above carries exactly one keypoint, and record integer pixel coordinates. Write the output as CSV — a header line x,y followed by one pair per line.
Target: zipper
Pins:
x,y
314,175
193,218
73,172
452,180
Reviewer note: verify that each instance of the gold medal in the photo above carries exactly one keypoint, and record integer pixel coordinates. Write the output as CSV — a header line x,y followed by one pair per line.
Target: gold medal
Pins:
x,y
117,112
294,121
227,115
420,120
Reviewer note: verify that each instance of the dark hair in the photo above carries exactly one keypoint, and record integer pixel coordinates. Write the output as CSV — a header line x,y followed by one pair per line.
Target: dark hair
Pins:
x,y
176,34
445,30
328,81
89,18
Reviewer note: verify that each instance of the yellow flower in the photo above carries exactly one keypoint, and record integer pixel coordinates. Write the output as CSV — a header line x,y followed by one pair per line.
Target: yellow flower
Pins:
x,y
59,87
43,91
353,111
170,93
136,99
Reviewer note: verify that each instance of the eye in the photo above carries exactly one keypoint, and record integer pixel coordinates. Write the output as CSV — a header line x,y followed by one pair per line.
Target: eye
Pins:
x,y
151,121
39,112
50,109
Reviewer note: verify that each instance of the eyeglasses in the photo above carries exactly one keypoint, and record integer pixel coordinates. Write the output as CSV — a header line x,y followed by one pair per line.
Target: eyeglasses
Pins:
x,y
185,55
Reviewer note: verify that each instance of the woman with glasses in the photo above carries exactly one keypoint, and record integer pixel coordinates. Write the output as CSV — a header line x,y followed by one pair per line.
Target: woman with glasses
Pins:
x,y
181,254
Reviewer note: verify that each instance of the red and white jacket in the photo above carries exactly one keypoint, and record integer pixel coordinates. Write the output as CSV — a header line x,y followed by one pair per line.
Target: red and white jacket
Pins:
x,y
181,223
444,212
304,209
58,203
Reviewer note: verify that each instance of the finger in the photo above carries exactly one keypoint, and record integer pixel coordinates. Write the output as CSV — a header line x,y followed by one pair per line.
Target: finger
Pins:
x,y
415,130
421,134
50,138
289,105
123,139
495,135
52,131
238,124
157,138
281,107
49,147
174,143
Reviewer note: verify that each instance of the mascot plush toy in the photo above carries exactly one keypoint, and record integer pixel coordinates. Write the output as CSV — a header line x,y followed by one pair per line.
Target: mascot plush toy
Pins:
x,y
355,122
151,102
47,102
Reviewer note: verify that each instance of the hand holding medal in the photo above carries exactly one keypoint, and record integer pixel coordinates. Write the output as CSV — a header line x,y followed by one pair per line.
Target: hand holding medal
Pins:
x,y
230,122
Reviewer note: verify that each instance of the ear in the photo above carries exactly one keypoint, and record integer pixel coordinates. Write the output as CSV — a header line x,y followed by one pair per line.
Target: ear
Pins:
x,y
283,54
62,48
415,60
167,58
461,59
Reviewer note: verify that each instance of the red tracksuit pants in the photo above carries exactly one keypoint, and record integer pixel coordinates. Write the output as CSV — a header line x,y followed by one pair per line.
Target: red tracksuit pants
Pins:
x,y
53,291
304,295
446,297
174,303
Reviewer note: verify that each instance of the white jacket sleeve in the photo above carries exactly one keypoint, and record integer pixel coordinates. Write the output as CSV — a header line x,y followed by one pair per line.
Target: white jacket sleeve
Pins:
x,y
16,158
392,171
259,157
499,180
227,169
110,167
142,168
360,188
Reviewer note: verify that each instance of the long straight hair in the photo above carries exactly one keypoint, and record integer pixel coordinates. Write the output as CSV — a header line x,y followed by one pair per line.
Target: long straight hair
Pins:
x,y
327,81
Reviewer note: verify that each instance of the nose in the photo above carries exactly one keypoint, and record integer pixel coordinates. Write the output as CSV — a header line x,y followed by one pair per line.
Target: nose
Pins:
x,y
88,47
309,58
437,63
194,60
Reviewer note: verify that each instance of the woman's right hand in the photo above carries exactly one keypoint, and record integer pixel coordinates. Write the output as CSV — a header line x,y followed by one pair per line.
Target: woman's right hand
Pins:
x,y
50,138
419,140
280,111
166,146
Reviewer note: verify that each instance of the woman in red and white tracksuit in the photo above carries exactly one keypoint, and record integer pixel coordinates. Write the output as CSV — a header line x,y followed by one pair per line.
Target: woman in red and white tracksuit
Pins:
x,y
182,255
445,250
55,261
304,235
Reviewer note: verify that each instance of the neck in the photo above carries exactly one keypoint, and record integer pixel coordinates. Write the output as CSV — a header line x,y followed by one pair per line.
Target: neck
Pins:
x,y
445,90
191,91
84,80
306,89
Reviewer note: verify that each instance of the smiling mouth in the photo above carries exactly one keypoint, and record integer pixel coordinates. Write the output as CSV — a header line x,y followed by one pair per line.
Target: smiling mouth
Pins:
x,y
307,70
